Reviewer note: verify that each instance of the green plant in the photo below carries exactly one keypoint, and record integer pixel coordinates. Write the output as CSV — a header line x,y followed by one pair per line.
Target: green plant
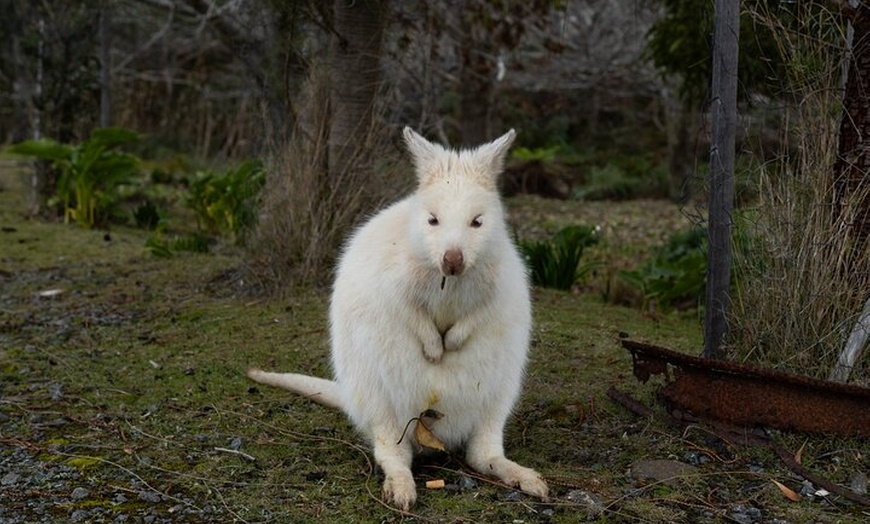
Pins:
x,y
555,262
541,154
224,201
676,275
89,173
166,248
625,179
147,215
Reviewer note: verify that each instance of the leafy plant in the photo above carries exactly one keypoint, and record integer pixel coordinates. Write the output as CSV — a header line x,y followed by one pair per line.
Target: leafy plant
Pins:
x,y
147,215
633,177
89,173
166,248
677,273
555,262
542,154
224,201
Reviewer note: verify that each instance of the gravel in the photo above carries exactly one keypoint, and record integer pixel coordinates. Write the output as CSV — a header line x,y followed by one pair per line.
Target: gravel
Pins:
x,y
34,490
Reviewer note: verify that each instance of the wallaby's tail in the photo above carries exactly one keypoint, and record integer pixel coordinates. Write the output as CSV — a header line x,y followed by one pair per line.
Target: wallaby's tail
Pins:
x,y
320,390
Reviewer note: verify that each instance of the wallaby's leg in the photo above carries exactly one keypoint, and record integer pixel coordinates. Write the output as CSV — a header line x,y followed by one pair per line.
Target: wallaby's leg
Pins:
x,y
395,460
485,453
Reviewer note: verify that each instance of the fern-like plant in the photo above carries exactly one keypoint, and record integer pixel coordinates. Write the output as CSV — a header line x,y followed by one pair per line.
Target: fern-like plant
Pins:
x,y
89,173
555,262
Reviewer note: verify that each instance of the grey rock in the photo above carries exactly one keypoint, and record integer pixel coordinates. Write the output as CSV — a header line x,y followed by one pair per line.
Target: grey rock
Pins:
x,y
588,501
149,496
807,489
79,493
745,514
10,479
467,483
666,471
859,483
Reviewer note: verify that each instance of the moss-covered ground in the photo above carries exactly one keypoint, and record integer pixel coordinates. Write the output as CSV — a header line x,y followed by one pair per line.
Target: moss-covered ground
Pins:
x,y
130,368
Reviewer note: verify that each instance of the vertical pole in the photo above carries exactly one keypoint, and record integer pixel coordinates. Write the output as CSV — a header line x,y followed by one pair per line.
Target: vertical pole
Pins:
x,y
723,108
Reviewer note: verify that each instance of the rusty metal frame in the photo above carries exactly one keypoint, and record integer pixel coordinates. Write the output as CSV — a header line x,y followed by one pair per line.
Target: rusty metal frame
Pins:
x,y
750,396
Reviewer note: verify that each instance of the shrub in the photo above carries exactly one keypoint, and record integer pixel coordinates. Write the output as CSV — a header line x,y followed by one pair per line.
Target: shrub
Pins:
x,y
224,202
89,173
676,275
555,262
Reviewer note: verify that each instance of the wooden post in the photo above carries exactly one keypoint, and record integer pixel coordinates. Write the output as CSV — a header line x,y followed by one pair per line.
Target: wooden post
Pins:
x,y
723,107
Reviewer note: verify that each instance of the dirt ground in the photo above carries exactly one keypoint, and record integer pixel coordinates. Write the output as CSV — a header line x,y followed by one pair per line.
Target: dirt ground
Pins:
x,y
123,399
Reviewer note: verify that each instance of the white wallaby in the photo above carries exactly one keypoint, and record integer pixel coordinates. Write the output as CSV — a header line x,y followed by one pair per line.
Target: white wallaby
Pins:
x,y
431,310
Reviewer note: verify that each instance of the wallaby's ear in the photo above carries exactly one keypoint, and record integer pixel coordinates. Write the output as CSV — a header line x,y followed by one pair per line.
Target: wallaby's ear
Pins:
x,y
421,149
492,155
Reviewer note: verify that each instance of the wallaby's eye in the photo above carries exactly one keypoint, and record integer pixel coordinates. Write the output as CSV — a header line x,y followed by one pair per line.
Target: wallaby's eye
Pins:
x,y
433,220
477,222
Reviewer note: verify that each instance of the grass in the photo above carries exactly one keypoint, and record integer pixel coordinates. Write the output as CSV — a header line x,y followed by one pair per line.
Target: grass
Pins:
x,y
134,374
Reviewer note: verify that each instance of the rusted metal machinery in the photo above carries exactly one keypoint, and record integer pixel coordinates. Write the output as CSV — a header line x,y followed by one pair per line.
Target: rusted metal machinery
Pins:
x,y
749,396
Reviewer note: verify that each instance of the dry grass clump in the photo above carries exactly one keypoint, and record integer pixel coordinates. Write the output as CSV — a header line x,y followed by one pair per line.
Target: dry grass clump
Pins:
x,y
306,211
802,276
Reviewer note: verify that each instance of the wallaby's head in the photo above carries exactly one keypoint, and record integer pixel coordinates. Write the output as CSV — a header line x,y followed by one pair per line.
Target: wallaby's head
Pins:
x,y
457,215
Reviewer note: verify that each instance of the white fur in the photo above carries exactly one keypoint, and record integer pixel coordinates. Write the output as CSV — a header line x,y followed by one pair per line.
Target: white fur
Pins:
x,y
402,344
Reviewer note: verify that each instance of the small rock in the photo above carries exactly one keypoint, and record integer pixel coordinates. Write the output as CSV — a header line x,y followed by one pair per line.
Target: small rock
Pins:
x,y
79,493
695,458
666,471
745,514
55,392
79,515
859,483
807,489
236,443
10,479
467,483
120,498
514,496
149,496
588,501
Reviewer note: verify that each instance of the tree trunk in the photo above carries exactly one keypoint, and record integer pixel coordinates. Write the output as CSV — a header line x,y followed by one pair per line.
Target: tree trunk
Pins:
x,y
851,190
724,111
476,82
105,68
355,53
38,179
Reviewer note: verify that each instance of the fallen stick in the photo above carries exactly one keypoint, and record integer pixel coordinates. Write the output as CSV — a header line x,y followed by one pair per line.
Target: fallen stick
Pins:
x,y
625,400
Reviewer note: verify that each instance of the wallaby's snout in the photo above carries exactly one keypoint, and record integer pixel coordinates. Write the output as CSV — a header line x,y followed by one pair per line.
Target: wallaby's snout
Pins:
x,y
453,262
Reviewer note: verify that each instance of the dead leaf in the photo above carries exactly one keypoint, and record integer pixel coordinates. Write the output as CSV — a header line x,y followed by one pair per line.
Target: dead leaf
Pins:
x,y
423,434
799,453
788,492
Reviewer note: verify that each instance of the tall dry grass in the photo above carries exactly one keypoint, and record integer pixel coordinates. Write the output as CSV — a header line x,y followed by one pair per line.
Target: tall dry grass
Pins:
x,y
306,213
801,275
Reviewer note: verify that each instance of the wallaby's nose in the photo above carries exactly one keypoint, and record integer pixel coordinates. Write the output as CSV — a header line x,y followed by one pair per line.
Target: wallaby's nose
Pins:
x,y
453,263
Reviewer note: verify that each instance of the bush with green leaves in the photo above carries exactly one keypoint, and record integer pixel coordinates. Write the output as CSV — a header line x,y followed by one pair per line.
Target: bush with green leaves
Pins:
x,y
625,179
224,202
555,262
676,276
89,173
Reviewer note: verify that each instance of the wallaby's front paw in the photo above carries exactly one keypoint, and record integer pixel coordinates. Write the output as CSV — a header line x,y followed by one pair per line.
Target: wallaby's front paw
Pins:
x,y
400,491
453,339
433,351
